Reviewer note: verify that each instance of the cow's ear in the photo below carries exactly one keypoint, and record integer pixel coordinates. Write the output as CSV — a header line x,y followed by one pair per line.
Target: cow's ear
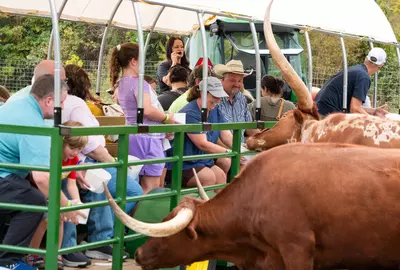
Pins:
x,y
191,231
298,116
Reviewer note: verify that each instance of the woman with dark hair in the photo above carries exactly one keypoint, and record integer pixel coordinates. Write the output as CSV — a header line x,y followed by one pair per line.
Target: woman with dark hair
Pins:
x,y
175,52
273,106
79,85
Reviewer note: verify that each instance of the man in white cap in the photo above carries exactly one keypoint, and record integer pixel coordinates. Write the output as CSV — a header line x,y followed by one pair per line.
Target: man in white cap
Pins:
x,y
330,98
234,107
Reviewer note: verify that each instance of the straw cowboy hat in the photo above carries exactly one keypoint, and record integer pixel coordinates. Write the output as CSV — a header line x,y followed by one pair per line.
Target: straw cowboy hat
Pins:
x,y
233,66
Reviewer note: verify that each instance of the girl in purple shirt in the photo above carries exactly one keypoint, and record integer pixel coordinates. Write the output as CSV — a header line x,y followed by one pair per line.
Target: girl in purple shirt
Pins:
x,y
144,146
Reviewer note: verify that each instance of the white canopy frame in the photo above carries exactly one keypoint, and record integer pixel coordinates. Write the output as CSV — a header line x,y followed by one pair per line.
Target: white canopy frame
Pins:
x,y
206,8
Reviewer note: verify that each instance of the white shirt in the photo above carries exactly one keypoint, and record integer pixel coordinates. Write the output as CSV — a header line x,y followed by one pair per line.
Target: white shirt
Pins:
x,y
367,103
76,109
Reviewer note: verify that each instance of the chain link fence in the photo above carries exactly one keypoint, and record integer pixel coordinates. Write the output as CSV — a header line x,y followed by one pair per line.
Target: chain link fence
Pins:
x,y
17,75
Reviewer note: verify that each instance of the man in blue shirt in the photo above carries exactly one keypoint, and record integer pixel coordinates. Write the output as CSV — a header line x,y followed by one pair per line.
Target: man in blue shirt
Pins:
x,y
234,107
330,98
15,187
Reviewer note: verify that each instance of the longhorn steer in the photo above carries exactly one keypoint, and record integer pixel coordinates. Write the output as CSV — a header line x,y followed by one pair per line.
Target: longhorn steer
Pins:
x,y
336,206
297,126
303,124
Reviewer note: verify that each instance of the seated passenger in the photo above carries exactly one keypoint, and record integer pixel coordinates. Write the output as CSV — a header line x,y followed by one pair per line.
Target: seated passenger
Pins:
x,y
72,146
100,220
273,106
199,143
79,85
15,186
178,79
193,81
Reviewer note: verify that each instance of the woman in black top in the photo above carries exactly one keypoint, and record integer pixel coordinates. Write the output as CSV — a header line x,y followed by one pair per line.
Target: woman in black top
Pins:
x,y
175,53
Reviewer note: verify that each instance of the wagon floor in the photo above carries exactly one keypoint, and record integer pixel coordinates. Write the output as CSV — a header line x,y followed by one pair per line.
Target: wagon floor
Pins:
x,y
104,265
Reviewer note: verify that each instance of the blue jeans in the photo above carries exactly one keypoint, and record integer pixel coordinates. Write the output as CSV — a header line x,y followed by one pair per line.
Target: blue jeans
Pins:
x,y
101,219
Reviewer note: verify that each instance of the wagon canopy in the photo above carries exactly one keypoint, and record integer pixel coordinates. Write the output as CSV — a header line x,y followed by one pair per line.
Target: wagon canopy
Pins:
x,y
361,18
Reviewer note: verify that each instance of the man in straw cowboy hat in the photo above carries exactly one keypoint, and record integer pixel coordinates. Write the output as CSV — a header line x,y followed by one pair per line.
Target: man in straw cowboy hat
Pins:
x,y
234,107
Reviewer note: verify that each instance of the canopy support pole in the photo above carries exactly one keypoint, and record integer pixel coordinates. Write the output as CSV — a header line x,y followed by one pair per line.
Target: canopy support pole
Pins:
x,y
146,45
398,61
205,68
371,44
142,58
345,75
49,49
102,48
57,65
258,70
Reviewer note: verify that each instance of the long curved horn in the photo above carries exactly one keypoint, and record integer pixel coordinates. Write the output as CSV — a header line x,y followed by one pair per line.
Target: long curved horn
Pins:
x,y
202,192
170,227
294,81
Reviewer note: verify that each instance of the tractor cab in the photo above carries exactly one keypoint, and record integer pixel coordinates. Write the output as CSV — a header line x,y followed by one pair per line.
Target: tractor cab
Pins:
x,y
229,39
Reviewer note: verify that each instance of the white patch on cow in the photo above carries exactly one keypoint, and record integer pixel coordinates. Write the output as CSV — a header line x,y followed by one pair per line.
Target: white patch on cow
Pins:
x,y
306,132
261,142
292,139
378,129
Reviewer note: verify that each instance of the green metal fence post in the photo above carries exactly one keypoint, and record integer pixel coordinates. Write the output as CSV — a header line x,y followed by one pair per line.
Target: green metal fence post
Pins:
x,y
235,165
122,174
177,168
54,200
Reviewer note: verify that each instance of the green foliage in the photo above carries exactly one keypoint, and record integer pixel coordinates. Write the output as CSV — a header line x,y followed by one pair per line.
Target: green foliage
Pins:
x,y
74,60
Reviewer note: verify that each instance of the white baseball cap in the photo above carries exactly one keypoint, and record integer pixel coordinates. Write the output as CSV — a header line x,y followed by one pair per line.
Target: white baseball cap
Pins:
x,y
214,87
377,56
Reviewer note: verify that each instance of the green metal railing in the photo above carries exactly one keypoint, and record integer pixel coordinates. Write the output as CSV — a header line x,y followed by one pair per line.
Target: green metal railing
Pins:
x,y
51,252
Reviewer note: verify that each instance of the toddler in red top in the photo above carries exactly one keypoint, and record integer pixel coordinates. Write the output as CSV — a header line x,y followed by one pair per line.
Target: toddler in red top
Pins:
x,y
71,148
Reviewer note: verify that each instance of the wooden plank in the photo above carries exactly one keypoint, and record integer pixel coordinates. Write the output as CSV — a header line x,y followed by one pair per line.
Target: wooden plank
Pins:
x,y
111,120
112,148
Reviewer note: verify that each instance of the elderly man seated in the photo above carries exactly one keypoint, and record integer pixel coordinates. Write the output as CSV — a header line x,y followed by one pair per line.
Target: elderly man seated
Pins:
x,y
234,106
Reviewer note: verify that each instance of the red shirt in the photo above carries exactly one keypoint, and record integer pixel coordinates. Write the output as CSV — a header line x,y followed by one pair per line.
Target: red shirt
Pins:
x,y
69,162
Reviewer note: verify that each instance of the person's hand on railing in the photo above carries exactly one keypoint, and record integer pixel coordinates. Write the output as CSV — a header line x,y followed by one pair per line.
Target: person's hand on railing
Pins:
x,y
80,178
73,216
